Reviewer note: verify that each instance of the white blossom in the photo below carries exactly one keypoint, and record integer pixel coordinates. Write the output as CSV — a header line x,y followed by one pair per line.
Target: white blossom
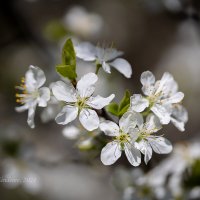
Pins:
x,y
80,102
105,57
124,139
160,96
32,93
147,141
81,22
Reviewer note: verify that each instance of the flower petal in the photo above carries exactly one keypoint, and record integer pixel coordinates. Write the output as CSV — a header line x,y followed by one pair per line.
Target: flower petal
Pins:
x,y
44,96
176,98
107,54
122,66
110,153
31,115
167,77
109,128
129,120
67,114
152,123
85,85
71,132
161,113
146,149
133,155
106,67
178,124
34,78
160,145
138,103
147,79
64,91
85,51
22,108
99,102
89,119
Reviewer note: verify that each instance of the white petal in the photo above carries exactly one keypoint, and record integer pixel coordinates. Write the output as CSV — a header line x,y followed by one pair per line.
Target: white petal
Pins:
x,y
178,124
64,91
44,96
85,51
71,132
146,149
89,119
106,67
122,66
31,115
99,102
107,54
138,103
134,134
176,98
110,153
160,145
109,128
147,79
85,85
34,78
68,114
167,77
22,108
152,123
128,120
133,155
180,113
161,113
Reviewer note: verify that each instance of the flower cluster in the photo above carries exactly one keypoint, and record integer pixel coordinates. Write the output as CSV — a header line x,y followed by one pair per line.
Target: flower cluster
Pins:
x,y
140,117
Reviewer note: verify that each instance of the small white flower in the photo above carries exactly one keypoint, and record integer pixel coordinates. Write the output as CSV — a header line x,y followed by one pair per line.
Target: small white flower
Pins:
x,y
106,57
124,139
80,102
146,141
32,93
83,23
160,96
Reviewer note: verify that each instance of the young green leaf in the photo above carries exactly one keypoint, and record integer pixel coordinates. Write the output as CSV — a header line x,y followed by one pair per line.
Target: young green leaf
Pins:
x,y
68,67
119,110
112,108
124,104
68,53
67,71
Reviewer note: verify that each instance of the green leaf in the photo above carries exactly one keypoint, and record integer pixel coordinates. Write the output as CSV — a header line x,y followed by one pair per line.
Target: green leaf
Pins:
x,y
68,67
68,54
124,104
112,108
67,71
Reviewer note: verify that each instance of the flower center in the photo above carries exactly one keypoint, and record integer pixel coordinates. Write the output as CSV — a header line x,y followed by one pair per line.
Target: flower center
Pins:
x,y
123,137
24,96
81,103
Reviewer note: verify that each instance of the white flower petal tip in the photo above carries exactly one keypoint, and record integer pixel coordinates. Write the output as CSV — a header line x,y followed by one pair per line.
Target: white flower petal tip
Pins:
x,y
110,153
109,128
99,102
85,51
85,85
138,103
122,66
160,145
64,91
89,119
133,155
68,114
